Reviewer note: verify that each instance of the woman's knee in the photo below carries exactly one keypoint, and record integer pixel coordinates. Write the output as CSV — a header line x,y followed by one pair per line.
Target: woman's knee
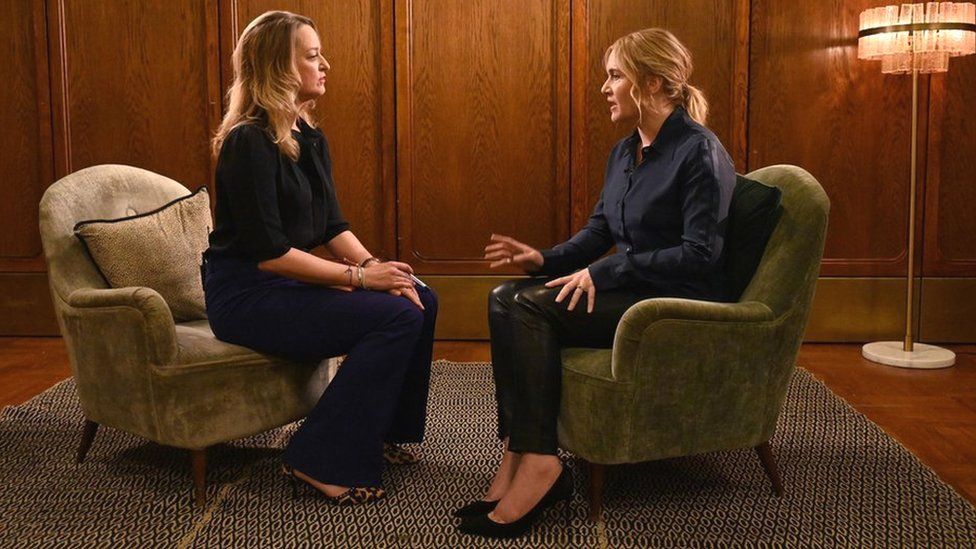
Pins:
x,y
429,298
536,296
402,312
504,294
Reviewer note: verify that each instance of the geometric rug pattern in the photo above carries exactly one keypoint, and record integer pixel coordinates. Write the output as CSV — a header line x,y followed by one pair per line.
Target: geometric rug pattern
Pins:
x,y
847,485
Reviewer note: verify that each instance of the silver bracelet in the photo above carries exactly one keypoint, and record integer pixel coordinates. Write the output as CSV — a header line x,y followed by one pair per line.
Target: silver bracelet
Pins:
x,y
363,263
362,278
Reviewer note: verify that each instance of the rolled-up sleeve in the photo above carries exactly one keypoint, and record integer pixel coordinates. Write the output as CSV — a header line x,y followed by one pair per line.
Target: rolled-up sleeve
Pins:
x,y
247,167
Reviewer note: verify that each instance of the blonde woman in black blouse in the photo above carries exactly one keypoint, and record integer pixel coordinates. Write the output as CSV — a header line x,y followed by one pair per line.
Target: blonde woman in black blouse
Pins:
x,y
665,198
275,202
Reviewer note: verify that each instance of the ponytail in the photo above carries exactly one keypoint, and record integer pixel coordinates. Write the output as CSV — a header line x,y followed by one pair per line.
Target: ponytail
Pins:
x,y
695,103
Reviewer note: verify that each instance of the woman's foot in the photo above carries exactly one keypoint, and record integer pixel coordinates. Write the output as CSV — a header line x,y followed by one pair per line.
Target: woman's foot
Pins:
x,y
330,490
496,491
503,476
505,521
394,454
333,494
536,475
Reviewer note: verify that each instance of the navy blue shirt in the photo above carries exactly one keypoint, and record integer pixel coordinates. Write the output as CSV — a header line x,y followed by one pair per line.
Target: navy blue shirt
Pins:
x,y
666,216
268,203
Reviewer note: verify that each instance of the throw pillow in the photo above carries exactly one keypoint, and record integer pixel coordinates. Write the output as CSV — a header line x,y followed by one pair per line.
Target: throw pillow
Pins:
x,y
160,249
753,214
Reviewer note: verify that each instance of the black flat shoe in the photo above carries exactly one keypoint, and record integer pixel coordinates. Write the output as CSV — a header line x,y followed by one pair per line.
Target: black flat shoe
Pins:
x,y
480,507
482,525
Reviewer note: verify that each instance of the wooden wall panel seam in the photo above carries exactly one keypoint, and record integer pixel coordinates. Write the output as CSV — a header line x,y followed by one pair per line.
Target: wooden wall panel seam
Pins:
x,y
45,97
59,72
579,188
403,58
740,86
387,124
215,88
562,121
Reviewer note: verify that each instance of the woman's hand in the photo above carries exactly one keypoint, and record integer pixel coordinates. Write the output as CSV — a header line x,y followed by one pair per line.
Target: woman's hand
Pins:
x,y
409,293
390,275
505,250
576,284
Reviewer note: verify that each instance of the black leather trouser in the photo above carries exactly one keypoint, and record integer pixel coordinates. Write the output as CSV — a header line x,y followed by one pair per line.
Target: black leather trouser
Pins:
x,y
528,330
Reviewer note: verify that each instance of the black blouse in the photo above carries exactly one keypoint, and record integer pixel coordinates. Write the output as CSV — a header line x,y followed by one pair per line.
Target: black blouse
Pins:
x,y
666,216
268,203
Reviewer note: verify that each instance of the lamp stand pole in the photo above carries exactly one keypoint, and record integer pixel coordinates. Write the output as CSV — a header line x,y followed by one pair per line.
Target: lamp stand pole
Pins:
x,y
908,354
910,300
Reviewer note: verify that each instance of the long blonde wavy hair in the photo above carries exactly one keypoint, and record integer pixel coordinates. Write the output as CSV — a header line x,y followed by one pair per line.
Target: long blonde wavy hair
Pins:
x,y
266,81
657,52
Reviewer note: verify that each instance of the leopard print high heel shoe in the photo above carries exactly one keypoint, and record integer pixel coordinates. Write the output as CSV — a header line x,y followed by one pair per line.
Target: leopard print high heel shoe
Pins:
x,y
352,496
394,454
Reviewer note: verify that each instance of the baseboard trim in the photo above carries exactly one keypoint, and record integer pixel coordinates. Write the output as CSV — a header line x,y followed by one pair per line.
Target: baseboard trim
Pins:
x,y
844,309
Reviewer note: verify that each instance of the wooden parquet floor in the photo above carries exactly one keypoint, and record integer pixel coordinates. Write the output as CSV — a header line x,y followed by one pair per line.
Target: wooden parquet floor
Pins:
x,y
932,413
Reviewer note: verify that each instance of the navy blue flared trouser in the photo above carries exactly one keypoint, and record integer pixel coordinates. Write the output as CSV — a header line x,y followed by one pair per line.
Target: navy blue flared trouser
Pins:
x,y
380,392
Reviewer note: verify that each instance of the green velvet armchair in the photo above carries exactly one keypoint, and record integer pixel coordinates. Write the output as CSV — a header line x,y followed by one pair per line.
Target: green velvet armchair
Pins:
x,y
135,368
686,377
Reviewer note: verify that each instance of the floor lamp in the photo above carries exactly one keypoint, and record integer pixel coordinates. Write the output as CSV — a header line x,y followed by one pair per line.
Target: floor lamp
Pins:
x,y
913,39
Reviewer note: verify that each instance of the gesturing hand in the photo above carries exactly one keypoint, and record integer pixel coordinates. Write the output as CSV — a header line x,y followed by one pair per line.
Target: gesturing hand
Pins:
x,y
388,276
505,250
576,284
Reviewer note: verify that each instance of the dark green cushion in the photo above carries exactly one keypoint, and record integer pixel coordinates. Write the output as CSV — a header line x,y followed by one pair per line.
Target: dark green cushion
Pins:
x,y
753,215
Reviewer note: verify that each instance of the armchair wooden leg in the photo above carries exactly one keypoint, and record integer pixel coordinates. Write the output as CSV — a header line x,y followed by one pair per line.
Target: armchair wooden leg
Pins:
x,y
88,431
596,474
198,459
769,464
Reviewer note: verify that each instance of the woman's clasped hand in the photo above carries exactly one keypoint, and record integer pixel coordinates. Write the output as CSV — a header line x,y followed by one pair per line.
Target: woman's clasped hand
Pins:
x,y
392,277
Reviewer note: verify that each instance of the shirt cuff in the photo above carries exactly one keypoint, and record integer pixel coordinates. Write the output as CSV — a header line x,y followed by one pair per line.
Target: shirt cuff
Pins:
x,y
608,273
553,263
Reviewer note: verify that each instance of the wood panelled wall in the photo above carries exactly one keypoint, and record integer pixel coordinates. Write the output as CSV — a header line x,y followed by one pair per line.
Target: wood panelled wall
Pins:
x,y
483,127
450,120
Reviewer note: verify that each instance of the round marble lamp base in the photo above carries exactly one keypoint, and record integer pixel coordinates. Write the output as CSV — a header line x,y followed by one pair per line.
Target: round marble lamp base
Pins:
x,y
925,357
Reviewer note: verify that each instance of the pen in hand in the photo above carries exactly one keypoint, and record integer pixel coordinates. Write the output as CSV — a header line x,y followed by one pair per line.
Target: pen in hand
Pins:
x,y
415,280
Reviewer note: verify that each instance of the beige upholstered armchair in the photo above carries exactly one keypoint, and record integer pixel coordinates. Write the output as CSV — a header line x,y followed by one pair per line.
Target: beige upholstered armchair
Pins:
x,y
686,377
135,368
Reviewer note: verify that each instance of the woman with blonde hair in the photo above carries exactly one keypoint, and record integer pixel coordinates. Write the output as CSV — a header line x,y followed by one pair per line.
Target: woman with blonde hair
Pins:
x,y
276,201
664,204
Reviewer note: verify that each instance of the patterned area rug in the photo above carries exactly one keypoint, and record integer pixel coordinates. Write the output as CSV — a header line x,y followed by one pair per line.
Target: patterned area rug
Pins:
x,y
848,484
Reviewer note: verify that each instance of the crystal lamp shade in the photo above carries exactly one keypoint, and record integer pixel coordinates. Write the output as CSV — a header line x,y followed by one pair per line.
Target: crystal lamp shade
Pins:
x,y
918,37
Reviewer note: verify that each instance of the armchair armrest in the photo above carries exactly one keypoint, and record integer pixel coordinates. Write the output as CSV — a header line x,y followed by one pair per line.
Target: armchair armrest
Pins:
x,y
155,325
717,371
662,314
646,312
